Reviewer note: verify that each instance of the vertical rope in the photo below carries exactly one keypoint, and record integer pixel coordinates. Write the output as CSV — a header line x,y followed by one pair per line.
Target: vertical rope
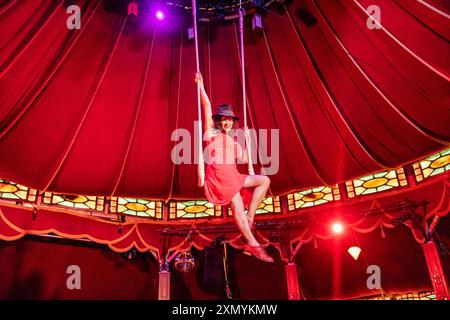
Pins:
x,y
241,31
201,163
244,92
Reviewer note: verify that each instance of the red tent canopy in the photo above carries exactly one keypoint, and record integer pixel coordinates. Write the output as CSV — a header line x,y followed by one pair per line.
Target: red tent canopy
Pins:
x,y
92,111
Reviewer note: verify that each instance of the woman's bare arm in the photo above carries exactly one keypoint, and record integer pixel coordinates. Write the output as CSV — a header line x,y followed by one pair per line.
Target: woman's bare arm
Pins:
x,y
205,103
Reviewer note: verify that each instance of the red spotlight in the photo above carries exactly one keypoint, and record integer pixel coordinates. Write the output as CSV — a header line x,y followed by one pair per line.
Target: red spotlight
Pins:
x,y
337,227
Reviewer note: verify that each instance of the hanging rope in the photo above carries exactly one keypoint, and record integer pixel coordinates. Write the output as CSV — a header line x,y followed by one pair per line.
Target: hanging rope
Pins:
x,y
244,93
201,162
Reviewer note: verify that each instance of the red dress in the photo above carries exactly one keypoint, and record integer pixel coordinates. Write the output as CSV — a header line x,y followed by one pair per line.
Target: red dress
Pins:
x,y
222,179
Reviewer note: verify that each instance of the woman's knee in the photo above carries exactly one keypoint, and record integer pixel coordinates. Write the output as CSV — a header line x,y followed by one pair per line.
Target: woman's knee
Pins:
x,y
266,181
256,181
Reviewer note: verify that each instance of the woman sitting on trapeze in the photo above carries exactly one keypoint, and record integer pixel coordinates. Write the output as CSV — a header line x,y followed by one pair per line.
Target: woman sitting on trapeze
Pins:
x,y
223,183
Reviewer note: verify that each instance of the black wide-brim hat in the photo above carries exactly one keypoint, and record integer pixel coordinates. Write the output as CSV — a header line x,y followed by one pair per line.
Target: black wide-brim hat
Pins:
x,y
225,110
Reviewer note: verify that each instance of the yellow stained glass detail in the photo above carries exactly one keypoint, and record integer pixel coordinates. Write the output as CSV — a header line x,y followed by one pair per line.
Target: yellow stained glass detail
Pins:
x,y
441,162
196,209
374,183
136,207
8,188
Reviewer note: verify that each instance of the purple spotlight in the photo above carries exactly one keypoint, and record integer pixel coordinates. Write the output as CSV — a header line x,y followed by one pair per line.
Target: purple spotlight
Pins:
x,y
159,15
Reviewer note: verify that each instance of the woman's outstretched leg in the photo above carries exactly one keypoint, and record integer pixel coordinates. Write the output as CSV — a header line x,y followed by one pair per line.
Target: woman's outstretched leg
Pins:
x,y
252,247
241,220
261,185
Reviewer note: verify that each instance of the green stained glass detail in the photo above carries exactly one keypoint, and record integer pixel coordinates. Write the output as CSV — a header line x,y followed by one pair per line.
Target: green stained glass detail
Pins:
x,y
143,214
202,215
378,175
437,171
385,187
10,196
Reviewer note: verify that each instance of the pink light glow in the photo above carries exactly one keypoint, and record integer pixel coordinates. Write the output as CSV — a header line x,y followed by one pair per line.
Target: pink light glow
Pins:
x,y
159,15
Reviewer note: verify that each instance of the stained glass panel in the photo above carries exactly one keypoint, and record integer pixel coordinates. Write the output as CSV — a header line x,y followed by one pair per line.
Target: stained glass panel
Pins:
x,y
137,207
269,205
75,201
377,182
435,164
193,209
14,191
312,197
426,295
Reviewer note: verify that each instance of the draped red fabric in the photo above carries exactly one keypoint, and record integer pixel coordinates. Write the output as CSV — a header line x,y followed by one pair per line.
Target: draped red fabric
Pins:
x,y
92,111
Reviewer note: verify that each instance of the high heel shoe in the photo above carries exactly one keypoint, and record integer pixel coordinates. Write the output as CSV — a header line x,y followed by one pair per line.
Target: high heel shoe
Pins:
x,y
257,252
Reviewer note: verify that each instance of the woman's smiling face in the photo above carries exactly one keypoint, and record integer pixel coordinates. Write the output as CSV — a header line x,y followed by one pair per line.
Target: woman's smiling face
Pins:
x,y
227,123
